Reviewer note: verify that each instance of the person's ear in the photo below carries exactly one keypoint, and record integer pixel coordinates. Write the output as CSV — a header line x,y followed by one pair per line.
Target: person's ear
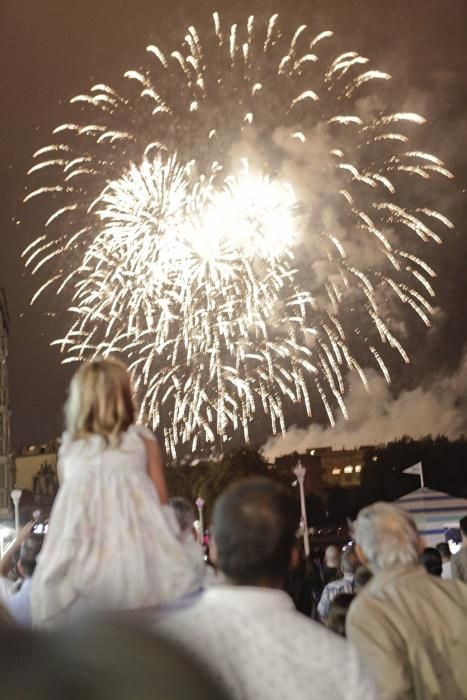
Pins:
x,y
294,558
421,545
361,557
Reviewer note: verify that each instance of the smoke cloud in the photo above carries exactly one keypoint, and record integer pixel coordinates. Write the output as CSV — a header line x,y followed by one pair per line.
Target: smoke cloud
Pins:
x,y
378,417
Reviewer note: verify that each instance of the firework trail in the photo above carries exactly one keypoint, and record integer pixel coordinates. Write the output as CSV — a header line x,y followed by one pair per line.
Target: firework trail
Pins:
x,y
184,256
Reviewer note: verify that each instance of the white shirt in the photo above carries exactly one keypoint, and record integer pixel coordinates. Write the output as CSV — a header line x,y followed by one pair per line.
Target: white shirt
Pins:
x,y
331,590
447,571
260,648
19,604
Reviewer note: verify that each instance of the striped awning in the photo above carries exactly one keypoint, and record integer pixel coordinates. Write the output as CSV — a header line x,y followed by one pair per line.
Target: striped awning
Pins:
x,y
433,511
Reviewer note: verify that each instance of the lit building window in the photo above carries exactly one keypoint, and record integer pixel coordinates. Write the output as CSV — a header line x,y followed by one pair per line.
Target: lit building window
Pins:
x,y
358,468
335,472
348,469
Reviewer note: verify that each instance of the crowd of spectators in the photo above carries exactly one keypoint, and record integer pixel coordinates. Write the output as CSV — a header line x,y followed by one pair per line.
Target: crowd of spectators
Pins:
x,y
131,609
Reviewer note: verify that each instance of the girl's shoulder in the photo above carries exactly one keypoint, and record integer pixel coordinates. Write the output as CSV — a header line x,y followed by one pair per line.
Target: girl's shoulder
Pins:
x,y
65,443
142,432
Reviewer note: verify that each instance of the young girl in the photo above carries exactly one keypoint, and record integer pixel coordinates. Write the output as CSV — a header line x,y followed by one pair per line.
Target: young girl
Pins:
x,y
109,543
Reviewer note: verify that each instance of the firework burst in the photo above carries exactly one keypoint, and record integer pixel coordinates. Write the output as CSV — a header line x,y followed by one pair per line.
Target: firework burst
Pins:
x,y
180,230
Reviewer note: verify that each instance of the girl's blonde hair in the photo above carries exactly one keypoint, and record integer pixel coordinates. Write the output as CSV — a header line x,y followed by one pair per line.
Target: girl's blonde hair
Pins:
x,y
100,401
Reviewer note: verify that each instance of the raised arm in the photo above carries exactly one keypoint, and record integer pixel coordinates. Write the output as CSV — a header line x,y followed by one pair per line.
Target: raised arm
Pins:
x,y
6,562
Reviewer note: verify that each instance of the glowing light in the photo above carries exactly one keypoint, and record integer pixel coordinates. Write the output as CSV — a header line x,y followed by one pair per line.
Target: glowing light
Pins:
x,y
212,265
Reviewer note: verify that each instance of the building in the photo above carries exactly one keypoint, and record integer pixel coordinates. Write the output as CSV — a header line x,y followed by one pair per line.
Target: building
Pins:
x,y
341,467
326,468
32,461
35,469
5,465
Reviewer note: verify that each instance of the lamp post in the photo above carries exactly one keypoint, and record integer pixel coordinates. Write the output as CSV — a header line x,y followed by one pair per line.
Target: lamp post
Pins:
x,y
15,497
300,472
200,505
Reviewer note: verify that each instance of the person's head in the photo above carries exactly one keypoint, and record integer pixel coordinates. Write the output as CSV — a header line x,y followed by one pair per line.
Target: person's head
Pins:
x,y
386,537
184,512
100,401
349,561
337,615
254,525
99,660
332,557
361,578
431,560
463,528
28,554
443,549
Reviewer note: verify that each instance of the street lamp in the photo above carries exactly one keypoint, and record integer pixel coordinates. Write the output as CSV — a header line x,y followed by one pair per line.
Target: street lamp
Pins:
x,y
200,505
300,472
15,497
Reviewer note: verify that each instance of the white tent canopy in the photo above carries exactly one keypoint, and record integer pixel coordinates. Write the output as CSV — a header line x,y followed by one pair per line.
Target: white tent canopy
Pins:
x,y
434,512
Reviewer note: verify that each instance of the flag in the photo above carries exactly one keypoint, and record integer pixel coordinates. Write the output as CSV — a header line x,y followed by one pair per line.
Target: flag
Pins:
x,y
414,469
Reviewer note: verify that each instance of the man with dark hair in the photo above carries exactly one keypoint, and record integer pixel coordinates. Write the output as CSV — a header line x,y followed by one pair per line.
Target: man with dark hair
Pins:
x,y
248,632
254,526
362,576
459,560
337,614
431,561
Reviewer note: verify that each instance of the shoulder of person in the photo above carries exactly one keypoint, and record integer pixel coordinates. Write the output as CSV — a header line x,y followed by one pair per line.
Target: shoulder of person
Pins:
x,y
144,432
367,607
183,624
65,441
343,655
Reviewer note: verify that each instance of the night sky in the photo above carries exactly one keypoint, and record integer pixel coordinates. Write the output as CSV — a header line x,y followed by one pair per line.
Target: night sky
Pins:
x,y
53,49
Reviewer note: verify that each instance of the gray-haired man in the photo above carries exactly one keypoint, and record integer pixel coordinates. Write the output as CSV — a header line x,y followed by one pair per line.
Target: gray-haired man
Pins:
x,y
409,627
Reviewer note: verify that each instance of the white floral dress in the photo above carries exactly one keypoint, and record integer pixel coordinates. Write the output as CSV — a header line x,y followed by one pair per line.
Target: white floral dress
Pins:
x,y
110,544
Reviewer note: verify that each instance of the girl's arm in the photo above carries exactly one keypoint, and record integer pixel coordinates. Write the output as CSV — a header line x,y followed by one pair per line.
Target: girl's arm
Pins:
x,y
155,469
